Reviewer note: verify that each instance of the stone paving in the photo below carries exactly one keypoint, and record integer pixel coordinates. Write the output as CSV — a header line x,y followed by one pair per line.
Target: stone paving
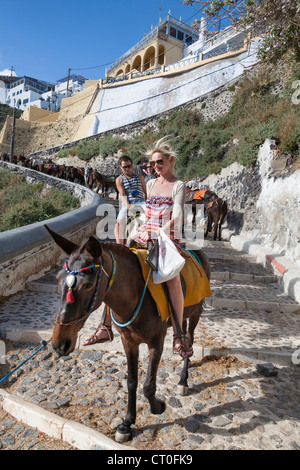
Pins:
x,y
230,404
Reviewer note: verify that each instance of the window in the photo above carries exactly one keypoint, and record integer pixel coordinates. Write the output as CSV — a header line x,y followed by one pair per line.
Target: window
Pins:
x,y
172,32
25,101
180,35
189,40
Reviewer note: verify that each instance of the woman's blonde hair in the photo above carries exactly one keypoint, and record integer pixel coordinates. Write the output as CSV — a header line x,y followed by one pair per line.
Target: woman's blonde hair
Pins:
x,y
163,146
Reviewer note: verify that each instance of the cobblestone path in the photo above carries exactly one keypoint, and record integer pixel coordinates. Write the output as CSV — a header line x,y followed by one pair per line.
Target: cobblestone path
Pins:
x,y
231,404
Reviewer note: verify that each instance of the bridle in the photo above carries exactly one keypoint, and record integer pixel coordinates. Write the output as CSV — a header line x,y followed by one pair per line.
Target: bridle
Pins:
x,y
71,280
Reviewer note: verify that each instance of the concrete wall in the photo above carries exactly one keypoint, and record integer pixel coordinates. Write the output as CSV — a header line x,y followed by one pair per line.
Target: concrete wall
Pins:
x,y
264,201
120,105
264,212
21,128
37,114
26,253
77,104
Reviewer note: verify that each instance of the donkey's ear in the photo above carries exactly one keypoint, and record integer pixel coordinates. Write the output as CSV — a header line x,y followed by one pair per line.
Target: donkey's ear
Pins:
x,y
93,247
66,245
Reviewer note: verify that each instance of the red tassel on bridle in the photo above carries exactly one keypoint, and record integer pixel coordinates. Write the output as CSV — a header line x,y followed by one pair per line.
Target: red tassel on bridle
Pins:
x,y
71,280
70,297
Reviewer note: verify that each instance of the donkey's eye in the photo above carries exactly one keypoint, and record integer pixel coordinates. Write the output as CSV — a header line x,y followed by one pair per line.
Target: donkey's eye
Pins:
x,y
87,285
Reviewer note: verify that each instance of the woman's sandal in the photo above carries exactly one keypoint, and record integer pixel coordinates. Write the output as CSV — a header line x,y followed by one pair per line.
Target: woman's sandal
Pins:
x,y
184,348
94,338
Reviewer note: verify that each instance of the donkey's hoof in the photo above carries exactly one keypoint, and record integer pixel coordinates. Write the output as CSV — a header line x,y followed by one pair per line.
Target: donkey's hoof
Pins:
x,y
121,438
159,408
123,434
182,390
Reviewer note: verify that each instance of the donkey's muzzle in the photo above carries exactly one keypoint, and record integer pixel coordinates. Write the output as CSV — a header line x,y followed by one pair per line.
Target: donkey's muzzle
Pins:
x,y
64,348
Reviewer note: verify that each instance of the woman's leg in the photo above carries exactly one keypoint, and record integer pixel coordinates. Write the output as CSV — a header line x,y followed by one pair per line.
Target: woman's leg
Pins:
x,y
176,297
177,301
104,332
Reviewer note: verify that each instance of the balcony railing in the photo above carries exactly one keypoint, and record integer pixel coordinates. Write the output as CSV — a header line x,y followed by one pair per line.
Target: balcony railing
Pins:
x,y
146,39
182,63
224,50
217,51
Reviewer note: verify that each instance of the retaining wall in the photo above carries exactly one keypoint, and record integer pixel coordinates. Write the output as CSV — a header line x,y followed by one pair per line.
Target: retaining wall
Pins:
x,y
120,105
264,211
28,252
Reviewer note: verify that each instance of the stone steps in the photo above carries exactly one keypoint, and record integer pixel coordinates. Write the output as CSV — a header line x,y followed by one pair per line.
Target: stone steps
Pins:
x,y
245,292
52,287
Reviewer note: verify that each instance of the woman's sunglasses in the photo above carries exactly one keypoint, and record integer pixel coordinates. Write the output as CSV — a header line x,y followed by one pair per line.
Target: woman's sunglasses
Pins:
x,y
156,162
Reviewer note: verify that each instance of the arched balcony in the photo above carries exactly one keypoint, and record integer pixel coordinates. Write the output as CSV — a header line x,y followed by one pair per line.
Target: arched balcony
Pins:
x,y
149,58
161,55
137,63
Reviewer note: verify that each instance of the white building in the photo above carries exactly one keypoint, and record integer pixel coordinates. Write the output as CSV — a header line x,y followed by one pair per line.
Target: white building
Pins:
x,y
6,77
211,44
73,83
23,92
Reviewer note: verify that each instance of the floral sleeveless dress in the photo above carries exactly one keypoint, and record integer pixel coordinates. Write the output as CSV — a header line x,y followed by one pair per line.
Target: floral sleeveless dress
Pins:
x,y
158,212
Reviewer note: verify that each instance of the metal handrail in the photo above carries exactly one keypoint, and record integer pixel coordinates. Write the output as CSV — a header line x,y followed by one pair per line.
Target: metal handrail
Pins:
x,y
224,50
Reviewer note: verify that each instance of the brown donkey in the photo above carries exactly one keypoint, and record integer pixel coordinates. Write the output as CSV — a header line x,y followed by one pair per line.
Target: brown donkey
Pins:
x,y
216,212
108,272
105,182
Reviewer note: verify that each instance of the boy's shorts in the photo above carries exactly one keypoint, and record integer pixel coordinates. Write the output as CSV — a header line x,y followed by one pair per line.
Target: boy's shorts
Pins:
x,y
123,214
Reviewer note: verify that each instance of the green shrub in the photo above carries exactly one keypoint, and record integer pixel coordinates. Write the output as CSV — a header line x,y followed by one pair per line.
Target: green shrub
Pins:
x,y
110,145
246,151
87,149
138,146
23,204
70,152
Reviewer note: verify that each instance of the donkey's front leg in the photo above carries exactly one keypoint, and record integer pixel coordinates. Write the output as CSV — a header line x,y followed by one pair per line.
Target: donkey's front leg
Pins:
x,y
123,433
157,406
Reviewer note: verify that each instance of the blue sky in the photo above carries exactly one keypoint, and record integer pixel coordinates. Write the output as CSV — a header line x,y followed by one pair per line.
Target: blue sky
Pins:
x,y
43,39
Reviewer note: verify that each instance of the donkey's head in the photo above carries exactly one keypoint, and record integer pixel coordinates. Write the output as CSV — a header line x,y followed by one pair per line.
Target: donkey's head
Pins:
x,y
81,287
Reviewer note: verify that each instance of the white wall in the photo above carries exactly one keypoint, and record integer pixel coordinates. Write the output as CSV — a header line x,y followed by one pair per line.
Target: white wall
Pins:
x,y
122,105
2,92
18,93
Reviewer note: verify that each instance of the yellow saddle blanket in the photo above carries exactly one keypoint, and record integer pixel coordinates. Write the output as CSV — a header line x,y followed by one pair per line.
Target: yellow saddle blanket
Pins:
x,y
197,284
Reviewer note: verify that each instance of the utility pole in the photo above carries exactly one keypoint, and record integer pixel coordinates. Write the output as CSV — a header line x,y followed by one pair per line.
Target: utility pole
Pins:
x,y
67,94
12,137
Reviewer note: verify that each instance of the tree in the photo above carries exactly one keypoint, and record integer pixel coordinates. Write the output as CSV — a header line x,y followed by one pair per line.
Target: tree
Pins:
x,y
277,21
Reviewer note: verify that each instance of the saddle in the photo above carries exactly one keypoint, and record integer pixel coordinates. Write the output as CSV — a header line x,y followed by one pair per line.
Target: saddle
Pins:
x,y
218,202
194,281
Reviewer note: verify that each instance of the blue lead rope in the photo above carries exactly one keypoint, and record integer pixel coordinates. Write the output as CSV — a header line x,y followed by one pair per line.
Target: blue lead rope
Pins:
x,y
43,346
135,313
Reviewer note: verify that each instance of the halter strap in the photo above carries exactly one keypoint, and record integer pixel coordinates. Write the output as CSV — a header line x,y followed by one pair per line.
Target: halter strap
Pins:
x,y
112,277
94,298
82,269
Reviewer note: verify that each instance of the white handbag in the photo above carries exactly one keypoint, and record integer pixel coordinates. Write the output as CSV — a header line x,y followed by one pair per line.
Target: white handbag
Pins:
x,y
170,262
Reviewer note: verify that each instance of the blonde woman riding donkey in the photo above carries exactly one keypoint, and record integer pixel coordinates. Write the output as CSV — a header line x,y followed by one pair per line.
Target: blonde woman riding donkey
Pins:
x,y
164,211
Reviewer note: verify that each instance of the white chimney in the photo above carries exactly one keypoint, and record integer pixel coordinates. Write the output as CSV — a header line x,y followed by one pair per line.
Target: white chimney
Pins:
x,y
202,31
